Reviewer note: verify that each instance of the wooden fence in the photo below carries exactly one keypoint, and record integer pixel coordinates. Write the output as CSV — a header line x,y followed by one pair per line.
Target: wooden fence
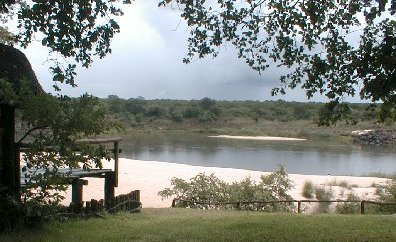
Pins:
x,y
125,202
238,204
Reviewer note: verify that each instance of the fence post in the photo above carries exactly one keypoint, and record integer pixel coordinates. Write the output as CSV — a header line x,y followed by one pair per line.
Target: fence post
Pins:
x,y
116,155
109,189
298,206
362,207
137,195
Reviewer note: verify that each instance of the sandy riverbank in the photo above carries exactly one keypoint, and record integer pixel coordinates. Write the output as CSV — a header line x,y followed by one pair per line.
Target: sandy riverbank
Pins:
x,y
273,138
153,176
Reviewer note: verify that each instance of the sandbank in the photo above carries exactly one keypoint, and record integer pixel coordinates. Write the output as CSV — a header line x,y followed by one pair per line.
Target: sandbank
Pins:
x,y
274,138
153,176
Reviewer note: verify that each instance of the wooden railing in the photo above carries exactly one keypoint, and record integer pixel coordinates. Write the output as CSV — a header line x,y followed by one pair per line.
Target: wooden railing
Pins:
x,y
126,202
299,202
116,150
74,175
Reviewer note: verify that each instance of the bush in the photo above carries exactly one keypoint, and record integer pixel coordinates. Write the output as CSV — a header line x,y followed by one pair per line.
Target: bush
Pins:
x,y
176,116
308,190
349,207
16,215
387,193
323,195
210,189
156,111
201,188
192,112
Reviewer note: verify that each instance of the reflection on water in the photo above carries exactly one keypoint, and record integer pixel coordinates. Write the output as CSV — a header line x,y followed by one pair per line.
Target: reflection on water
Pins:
x,y
304,157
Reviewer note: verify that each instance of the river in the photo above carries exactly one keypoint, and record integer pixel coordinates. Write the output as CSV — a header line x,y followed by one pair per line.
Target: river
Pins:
x,y
320,157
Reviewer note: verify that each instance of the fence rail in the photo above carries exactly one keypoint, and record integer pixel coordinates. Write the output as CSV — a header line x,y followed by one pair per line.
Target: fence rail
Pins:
x,y
299,202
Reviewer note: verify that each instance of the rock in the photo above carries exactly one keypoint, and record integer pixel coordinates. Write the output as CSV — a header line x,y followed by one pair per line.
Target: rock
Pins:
x,y
374,137
15,68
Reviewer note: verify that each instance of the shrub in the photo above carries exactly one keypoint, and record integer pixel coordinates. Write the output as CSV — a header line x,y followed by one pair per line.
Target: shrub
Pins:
x,y
323,195
176,116
308,190
210,189
201,188
206,103
192,112
387,193
16,215
349,207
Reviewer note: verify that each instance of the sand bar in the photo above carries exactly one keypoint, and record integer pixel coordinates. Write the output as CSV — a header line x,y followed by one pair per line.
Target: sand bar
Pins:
x,y
153,176
274,138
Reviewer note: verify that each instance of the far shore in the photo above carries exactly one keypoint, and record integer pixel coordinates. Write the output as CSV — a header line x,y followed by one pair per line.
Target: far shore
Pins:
x,y
150,177
274,138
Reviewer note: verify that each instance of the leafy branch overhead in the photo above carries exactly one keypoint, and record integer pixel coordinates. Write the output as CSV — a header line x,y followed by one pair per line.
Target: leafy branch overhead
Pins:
x,y
334,48
72,29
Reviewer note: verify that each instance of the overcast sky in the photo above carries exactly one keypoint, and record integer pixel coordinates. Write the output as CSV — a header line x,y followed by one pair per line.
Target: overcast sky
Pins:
x,y
147,61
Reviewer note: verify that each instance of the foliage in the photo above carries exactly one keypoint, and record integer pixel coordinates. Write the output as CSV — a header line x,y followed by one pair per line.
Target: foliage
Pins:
x,y
141,113
349,207
75,30
308,189
212,190
200,188
207,103
55,123
136,105
278,184
387,193
5,36
17,216
61,121
322,194
328,47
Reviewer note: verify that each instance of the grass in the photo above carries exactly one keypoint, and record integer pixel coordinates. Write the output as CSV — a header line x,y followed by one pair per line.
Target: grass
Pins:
x,y
247,126
342,183
213,225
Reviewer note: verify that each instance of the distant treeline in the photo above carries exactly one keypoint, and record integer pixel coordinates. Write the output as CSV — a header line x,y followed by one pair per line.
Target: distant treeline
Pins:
x,y
135,112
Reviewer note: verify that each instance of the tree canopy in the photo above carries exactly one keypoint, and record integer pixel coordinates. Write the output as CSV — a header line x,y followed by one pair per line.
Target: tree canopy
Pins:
x,y
75,30
335,48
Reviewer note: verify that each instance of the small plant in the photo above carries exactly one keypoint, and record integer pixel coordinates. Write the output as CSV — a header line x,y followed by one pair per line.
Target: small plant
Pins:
x,y
343,184
323,195
308,190
349,207
387,193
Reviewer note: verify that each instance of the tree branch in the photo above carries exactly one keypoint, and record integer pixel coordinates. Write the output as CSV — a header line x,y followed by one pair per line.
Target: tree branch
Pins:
x,y
29,132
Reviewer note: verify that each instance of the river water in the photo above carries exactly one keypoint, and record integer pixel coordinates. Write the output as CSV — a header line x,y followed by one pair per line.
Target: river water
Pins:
x,y
321,157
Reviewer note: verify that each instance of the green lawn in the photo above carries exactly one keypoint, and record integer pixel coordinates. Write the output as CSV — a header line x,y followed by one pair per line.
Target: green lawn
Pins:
x,y
201,225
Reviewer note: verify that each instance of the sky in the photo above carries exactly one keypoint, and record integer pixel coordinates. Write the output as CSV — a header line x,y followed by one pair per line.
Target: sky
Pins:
x,y
146,61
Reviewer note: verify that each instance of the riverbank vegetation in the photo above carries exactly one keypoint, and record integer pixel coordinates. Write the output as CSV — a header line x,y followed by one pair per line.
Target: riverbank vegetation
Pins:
x,y
215,193
176,224
276,118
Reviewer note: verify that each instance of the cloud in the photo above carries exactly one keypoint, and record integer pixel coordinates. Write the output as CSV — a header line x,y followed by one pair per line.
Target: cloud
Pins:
x,y
147,61
137,35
